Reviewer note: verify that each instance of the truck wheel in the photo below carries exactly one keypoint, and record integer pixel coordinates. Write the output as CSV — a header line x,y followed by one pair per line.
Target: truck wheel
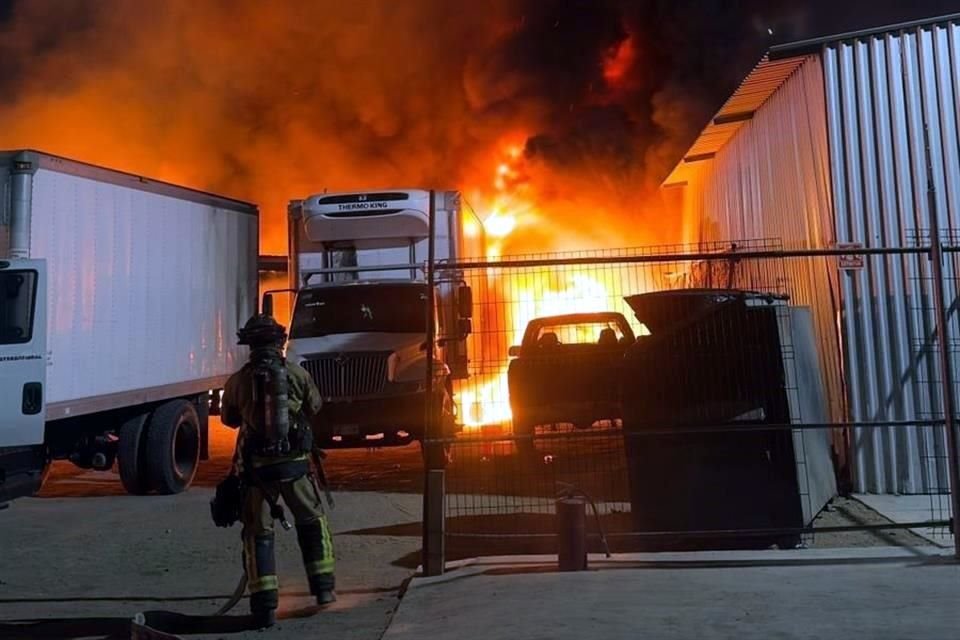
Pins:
x,y
173,446
133,474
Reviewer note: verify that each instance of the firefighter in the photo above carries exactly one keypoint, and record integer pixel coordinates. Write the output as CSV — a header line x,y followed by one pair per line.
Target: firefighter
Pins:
x,y
274,402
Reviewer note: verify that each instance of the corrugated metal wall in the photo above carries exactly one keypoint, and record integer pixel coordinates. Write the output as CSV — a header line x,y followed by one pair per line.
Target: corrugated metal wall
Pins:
x,y
772,180
882,92
837,154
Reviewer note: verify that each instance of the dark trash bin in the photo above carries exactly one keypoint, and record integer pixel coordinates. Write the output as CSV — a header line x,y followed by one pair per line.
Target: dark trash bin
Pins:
x,y
713,358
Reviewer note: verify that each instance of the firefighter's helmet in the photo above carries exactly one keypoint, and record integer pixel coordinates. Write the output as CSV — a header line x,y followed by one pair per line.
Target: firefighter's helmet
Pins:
x,y
262,331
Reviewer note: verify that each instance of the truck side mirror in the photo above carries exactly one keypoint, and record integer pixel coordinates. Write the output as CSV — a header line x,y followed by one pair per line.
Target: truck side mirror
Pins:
x,y
514,351
465,301
466,327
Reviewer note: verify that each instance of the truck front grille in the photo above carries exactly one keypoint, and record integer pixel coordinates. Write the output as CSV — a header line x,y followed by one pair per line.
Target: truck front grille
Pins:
x,y
348,374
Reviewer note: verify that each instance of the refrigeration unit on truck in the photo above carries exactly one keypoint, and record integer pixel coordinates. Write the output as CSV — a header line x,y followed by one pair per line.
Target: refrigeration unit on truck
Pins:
x,y
359,321
120,298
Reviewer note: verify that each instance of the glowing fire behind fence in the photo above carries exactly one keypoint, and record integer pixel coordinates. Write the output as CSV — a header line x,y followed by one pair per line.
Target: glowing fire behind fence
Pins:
x,y
507,298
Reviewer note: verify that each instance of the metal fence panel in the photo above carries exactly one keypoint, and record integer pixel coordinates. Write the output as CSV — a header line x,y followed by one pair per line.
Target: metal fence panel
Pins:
x,y
504,479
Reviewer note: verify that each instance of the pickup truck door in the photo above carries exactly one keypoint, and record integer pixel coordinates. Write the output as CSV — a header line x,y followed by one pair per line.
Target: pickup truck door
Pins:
x,y
23,352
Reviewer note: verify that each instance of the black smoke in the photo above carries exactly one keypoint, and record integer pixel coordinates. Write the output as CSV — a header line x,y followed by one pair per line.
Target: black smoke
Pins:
x,y
274,100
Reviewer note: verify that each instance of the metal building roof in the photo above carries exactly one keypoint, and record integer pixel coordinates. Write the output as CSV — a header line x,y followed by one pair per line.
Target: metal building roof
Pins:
x,y
774,68
739,108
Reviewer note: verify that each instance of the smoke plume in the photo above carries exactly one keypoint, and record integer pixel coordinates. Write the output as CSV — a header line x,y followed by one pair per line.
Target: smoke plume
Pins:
x,y
587,102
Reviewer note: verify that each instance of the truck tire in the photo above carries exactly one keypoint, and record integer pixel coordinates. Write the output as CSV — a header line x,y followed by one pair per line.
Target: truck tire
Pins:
x,y
130,460
173,446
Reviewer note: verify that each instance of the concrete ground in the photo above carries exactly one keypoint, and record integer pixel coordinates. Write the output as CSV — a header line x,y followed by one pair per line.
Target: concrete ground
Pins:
x,y
77,558
90,558
905,509
869,594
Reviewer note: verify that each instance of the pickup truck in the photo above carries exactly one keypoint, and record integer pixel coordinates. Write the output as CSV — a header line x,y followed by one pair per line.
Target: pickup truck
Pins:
x,y
566,371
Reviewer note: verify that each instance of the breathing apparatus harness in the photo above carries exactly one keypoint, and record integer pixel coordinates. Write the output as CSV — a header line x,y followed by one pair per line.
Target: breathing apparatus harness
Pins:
x,y
276,436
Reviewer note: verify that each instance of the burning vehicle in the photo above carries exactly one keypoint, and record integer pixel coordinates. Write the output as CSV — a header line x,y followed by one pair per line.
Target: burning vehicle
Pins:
x,y
567,371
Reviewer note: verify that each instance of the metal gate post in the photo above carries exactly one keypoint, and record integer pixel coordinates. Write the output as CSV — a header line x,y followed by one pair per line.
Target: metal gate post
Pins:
x,y
943,350
434,549
434,513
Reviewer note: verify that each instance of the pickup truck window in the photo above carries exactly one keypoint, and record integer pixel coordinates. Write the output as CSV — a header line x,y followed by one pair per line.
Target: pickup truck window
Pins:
x,y
17,299
383,308
580,333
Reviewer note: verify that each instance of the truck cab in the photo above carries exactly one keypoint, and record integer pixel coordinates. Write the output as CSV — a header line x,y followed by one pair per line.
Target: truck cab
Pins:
x,y
23,364
359,323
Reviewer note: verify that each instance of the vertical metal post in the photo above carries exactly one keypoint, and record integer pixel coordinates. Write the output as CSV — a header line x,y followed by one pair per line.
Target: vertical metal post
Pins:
x,y
572,534
434,524
943,350
413,257
294,226
21,206
433,481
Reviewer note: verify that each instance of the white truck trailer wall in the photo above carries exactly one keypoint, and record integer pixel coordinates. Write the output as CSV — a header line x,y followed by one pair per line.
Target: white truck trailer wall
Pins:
x,y
130,276
881,91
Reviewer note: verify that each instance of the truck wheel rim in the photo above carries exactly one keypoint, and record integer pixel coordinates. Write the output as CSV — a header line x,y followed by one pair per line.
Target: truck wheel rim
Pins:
x,y
186,444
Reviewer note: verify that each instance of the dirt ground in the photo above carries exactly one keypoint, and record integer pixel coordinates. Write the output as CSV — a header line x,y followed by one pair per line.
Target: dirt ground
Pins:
x,y
91,557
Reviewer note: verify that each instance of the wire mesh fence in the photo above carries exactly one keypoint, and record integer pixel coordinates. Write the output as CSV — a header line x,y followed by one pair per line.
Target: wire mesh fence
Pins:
x,y
716,396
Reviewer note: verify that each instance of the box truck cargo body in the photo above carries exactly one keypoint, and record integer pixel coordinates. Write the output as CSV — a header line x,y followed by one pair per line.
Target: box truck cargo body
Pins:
x,y
359,323
120,298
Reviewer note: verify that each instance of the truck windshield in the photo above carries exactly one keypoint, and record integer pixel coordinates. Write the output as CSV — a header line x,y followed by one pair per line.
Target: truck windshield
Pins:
x,y
17,293
360,308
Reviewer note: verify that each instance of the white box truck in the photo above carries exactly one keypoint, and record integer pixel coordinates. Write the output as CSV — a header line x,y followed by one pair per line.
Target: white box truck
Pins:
x,y
359,322
120,298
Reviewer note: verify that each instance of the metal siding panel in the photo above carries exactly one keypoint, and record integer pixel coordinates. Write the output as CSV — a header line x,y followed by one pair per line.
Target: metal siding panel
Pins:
x,y
907,288
772,181
889,87
128,308
922,317
854,171
897,357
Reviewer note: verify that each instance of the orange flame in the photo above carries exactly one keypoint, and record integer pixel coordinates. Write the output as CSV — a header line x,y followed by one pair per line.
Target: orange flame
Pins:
x,y
483,399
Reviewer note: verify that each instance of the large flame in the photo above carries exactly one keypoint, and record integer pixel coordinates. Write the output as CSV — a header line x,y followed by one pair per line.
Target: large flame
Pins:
x,y
484,400
519,296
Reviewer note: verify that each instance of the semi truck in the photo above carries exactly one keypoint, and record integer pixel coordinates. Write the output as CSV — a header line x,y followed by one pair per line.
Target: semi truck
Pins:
x,y
358,265
120,298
